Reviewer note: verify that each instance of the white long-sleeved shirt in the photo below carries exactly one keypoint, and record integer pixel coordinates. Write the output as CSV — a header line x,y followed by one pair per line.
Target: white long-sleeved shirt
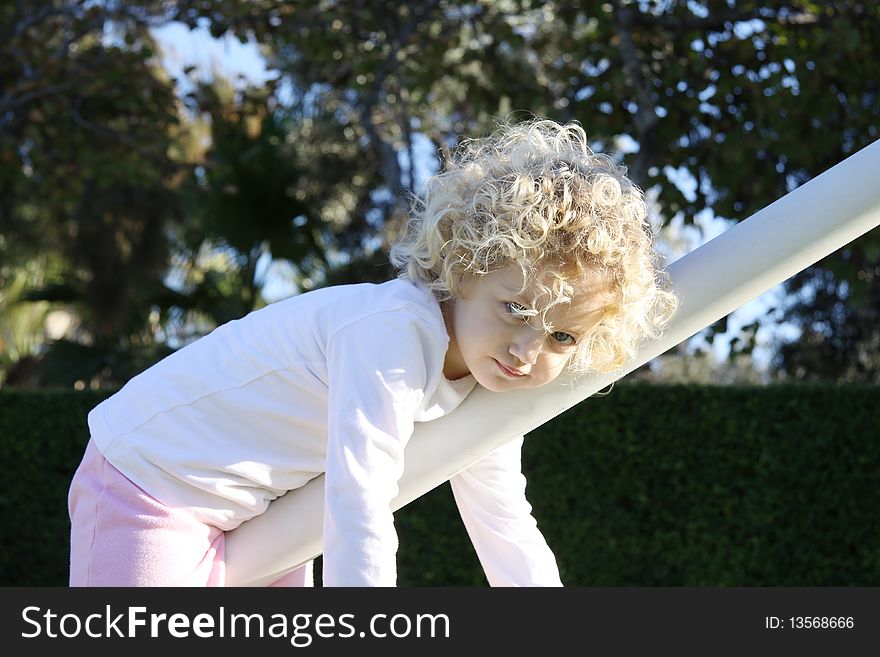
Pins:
x,y
331,382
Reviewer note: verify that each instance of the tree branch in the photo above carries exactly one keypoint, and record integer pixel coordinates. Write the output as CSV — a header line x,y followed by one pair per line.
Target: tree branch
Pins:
x,y
391,167
9,102
646,115
119,137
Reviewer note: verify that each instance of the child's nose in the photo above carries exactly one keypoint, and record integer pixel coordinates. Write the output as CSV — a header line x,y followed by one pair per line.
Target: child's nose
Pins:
x,y
527,345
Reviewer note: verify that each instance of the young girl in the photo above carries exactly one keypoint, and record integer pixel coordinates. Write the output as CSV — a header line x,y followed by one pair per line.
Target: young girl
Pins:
x,y
530,254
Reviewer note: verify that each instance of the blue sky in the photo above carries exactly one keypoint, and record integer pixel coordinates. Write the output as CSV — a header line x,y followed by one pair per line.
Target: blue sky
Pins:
x,y
183,47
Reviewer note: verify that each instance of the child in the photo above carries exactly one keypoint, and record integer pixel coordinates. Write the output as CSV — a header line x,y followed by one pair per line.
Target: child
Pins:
x,y
530,255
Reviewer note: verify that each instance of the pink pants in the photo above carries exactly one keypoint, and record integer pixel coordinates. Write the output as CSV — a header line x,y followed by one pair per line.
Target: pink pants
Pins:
x,y
120,536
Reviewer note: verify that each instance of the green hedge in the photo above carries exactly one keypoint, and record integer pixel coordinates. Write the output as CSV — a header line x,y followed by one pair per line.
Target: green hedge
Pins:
x,y
648,486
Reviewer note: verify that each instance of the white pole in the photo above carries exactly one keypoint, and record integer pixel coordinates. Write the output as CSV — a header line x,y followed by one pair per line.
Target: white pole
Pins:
x,y
712,281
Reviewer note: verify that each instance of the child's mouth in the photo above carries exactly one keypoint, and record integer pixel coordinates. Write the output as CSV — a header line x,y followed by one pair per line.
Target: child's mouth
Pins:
x,y
513,374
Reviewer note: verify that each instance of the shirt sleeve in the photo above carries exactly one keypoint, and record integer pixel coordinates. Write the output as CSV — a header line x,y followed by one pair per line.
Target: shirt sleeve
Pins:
x,y
377,376
491,499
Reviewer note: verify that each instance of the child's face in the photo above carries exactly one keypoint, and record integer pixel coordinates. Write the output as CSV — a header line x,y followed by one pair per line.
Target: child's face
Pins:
x,y
501,348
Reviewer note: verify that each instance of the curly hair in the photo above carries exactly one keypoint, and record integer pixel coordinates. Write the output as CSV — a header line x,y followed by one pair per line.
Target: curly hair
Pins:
x,y
535,195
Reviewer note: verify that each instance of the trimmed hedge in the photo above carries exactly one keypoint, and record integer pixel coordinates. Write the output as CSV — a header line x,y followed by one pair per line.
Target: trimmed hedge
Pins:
x,y
648,486
42,438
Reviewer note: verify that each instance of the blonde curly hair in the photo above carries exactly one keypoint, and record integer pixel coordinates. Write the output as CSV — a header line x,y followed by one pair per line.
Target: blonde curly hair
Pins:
x,y
535,195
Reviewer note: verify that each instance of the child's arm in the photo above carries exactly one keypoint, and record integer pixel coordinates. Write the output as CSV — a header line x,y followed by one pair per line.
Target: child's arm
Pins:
x,y
491,499
376,369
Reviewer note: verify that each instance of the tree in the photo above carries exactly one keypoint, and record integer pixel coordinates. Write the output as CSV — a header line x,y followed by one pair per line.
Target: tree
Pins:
x,y
112,193
838,323
85,138
276,184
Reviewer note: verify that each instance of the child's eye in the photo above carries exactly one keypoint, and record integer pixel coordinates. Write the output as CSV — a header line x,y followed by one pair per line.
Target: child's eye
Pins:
x,y
563,338
516,309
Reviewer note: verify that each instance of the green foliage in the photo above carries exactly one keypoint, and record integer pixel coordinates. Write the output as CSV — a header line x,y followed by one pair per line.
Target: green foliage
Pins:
x,y
243,200
648,486
838,314
284,184
42,438
85,176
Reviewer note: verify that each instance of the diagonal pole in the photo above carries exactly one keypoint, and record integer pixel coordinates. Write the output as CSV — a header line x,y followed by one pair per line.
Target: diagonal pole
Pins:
x,y
712,281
